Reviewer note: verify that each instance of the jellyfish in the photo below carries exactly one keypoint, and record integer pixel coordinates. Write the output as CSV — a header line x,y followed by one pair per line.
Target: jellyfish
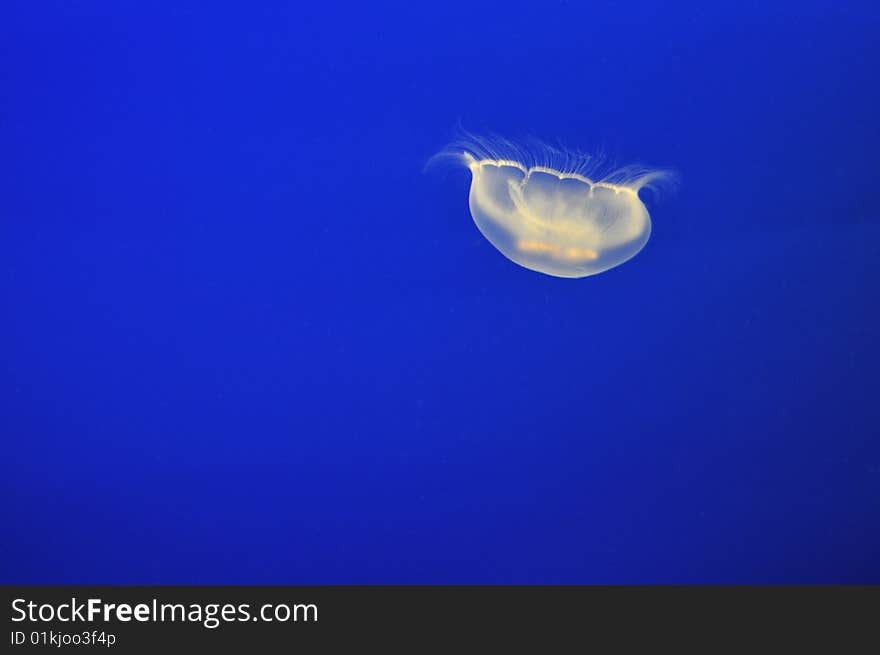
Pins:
x,y
547,210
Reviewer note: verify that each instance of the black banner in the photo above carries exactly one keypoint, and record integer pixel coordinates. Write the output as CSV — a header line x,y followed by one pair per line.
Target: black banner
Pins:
x,y
178,619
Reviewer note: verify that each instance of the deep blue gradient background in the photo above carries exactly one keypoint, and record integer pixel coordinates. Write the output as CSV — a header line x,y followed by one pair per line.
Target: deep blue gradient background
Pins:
x,y
246,339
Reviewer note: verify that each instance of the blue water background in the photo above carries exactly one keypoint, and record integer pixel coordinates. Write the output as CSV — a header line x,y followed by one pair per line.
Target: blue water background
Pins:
x,y
244,338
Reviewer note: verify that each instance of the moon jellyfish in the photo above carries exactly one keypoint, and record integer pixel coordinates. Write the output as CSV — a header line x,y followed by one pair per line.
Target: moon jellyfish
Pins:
x,y
546,210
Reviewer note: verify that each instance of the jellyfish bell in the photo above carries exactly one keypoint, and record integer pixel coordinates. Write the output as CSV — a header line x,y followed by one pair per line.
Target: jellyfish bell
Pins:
x,y
557,223
545,209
